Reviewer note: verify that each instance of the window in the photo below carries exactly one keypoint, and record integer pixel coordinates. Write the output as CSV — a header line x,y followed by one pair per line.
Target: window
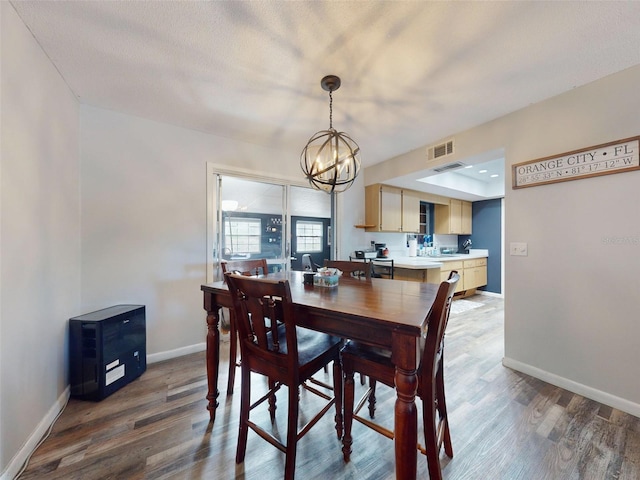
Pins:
x,y
242,235
309,236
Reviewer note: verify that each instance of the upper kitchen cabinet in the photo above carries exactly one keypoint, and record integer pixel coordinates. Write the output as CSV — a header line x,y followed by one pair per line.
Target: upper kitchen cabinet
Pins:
x,y
454,218
391,209
410,211
466,218
383,208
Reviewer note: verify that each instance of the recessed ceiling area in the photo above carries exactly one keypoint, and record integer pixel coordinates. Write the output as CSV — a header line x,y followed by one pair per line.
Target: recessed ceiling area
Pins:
x,y
473,181
480,178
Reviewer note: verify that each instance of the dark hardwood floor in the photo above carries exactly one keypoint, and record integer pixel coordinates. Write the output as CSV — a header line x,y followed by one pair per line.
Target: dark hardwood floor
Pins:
x,y
504,425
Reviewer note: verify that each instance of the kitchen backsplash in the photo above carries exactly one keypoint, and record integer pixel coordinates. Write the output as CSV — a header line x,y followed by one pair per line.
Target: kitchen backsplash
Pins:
x,y
397,242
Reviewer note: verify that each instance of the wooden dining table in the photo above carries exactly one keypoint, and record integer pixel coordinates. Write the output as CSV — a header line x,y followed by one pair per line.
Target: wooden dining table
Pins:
x,y
381,312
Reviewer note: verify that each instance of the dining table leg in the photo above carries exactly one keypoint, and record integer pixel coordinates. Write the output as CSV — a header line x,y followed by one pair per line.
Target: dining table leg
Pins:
x,y
213,353
406,414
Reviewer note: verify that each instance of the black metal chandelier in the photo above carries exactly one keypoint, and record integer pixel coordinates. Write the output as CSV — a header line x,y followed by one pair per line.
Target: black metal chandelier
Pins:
x,y
330,160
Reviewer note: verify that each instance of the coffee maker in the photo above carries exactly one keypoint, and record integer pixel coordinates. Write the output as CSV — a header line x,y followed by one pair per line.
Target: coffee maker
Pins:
x,y
381,250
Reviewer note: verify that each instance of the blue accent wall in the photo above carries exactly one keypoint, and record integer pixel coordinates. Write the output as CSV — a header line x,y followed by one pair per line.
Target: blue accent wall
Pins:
x,y
487,228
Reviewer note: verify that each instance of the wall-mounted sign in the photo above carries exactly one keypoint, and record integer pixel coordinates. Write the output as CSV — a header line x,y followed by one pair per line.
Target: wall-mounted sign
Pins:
x,y
615,157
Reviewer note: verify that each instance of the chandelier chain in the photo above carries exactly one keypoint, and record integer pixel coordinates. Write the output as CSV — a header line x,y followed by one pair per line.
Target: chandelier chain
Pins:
x,y
330,109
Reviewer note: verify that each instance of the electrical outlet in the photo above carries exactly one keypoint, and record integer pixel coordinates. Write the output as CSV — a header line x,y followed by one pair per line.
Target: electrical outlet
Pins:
x,y
518,249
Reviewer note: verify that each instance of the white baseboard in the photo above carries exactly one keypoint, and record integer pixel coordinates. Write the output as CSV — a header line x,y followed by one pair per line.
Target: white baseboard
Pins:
x,y
178,352
489,294
575,387
16,463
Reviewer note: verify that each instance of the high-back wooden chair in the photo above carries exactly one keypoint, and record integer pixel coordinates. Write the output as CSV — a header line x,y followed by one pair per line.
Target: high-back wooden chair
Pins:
x,y
361,270
257,266
272,345
308,265
377,364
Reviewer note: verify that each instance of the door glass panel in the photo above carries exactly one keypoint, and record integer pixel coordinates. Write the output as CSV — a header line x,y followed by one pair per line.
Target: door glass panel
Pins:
x,y
251,220
310,226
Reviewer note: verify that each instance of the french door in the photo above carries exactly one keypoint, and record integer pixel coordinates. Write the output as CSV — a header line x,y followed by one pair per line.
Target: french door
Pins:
x,y
262,218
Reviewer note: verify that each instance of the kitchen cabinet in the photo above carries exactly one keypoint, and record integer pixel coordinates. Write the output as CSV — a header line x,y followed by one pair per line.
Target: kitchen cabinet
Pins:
x,y
431,275
466,217
383,208
391,209
475,273
410,212
454,218
446,269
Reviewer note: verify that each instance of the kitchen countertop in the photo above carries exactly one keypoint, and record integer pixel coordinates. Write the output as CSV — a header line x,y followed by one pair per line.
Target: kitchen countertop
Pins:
x,y
425,263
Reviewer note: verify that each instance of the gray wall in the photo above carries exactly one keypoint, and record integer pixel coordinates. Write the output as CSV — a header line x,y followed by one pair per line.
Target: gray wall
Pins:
x,y
487,234
40,238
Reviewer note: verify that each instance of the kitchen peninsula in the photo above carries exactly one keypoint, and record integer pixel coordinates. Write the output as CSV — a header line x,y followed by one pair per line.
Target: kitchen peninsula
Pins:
x,y
472,268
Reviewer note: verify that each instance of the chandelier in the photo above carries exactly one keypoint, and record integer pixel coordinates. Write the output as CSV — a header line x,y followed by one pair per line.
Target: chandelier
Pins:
x,y
330,160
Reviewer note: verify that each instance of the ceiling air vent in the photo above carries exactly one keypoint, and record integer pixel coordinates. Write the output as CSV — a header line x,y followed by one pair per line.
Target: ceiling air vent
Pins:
x,y
440,150
451,166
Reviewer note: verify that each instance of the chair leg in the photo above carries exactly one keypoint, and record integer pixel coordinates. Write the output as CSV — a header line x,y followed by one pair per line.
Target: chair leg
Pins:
x,y
272,401
292,435
372,398
337,392
348,413
442,410
430,430
245,403
233,352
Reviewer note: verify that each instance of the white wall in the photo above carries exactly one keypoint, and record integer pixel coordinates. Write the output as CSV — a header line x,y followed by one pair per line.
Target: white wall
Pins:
x,y
144,218
571,309
40,239
350,213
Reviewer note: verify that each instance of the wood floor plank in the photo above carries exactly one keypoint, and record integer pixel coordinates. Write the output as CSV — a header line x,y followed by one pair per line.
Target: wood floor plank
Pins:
x,y
505,425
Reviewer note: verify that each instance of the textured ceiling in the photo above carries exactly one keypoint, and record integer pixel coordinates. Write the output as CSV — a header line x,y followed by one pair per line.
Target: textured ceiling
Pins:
x,y
412,72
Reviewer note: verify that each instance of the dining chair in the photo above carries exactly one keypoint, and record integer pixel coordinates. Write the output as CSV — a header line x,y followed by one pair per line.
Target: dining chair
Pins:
x,y
376,364
272,345
308,264
257,266
359,270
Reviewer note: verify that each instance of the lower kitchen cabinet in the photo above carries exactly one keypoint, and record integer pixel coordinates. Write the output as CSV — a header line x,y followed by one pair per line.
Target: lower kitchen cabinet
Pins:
x,y
446,269
430,275
475,273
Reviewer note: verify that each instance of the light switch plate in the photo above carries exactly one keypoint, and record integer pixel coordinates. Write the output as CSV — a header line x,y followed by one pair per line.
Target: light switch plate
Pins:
x,y
518,249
